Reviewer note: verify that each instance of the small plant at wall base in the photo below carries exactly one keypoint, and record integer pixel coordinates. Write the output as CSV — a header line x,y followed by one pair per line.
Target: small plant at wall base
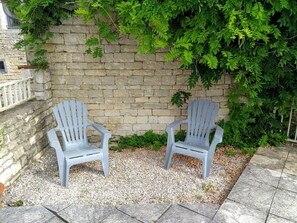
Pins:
x,y
253,41
149,139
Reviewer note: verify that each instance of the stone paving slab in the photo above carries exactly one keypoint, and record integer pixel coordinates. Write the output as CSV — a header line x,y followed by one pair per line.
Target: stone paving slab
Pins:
x,y
274,152
275,219
86,213
232,212
288,182
291,164
25,214
207,210
275,164
253,194
177,213
253,173
285,204
119,217
57,208
145,213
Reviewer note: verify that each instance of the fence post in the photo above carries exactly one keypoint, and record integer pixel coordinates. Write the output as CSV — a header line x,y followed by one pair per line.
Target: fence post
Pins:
x,y
41,86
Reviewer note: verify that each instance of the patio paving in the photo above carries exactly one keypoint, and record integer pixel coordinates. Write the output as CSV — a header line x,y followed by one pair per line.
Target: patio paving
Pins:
x,y
265,192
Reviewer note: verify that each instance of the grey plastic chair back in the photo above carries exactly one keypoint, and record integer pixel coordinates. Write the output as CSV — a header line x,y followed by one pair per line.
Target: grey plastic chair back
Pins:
x,y
200,122
71,117
201,119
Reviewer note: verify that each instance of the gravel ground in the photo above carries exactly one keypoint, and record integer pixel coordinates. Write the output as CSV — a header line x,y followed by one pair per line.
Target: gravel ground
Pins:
x,y
136,177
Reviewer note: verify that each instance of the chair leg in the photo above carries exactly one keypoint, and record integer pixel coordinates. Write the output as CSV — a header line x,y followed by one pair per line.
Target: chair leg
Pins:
x,y
105,164
204,168
209,164
167,164
66,176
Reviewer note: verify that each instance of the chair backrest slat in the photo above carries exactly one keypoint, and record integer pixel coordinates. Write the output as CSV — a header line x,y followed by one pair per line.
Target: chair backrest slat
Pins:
x,y
201,118
71,117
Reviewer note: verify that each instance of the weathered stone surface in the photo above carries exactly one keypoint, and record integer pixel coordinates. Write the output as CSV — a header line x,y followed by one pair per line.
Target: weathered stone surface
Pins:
x,y
11,56
288,182
177,213
25,214
275,219
268,162
274,152
86,213
145,213
232,212
24,129
119,217
291,164
254,194
254,173
284,204
207,210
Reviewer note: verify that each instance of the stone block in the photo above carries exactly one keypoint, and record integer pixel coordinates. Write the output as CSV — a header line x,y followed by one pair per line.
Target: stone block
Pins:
x,y
86,213
177,213
129,120
129,48
152,65
78,38
284,205
142,119
141,212
114,66
57,38
108,80
135,80
123,57
231,212
79,29
134,65
257,195
160,57
145,57
126,41
25,214
1,136
107,58
143,73
112,48
152,81
143,127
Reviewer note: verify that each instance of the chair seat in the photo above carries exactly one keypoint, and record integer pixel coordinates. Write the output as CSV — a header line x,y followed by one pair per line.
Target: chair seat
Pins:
x,y
191,146
81,152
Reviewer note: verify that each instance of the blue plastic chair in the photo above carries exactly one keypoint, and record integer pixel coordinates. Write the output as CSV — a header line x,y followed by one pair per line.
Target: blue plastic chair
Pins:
x,y
71,117
200,122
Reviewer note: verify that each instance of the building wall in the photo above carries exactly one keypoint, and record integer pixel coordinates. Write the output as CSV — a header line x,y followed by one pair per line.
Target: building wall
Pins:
x,y
23,137
12,57
127,92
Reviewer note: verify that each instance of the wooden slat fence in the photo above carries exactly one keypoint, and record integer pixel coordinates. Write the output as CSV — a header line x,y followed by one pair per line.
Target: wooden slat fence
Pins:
x,y
14,93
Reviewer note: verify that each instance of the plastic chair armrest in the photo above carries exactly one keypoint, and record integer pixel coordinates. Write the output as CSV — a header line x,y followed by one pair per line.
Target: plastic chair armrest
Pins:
x,y
101,129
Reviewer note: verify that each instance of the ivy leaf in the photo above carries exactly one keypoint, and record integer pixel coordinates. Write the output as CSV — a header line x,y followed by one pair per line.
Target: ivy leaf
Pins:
x,y
193,80
210,60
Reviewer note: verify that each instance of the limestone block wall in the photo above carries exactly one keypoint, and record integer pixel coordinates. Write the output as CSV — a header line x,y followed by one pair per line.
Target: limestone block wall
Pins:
x,y
125,91
12,57
23,137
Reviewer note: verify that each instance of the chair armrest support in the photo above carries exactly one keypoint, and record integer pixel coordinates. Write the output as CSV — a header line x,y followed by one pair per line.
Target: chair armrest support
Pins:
x,y
218,137
101,129
55,143
53,139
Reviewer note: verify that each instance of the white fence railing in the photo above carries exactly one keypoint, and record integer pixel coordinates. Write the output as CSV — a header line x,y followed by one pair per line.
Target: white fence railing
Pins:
x,y
14,93
292,126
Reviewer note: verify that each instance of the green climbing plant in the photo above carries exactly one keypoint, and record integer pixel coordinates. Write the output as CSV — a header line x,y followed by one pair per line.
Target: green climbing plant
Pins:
x,y
253,41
